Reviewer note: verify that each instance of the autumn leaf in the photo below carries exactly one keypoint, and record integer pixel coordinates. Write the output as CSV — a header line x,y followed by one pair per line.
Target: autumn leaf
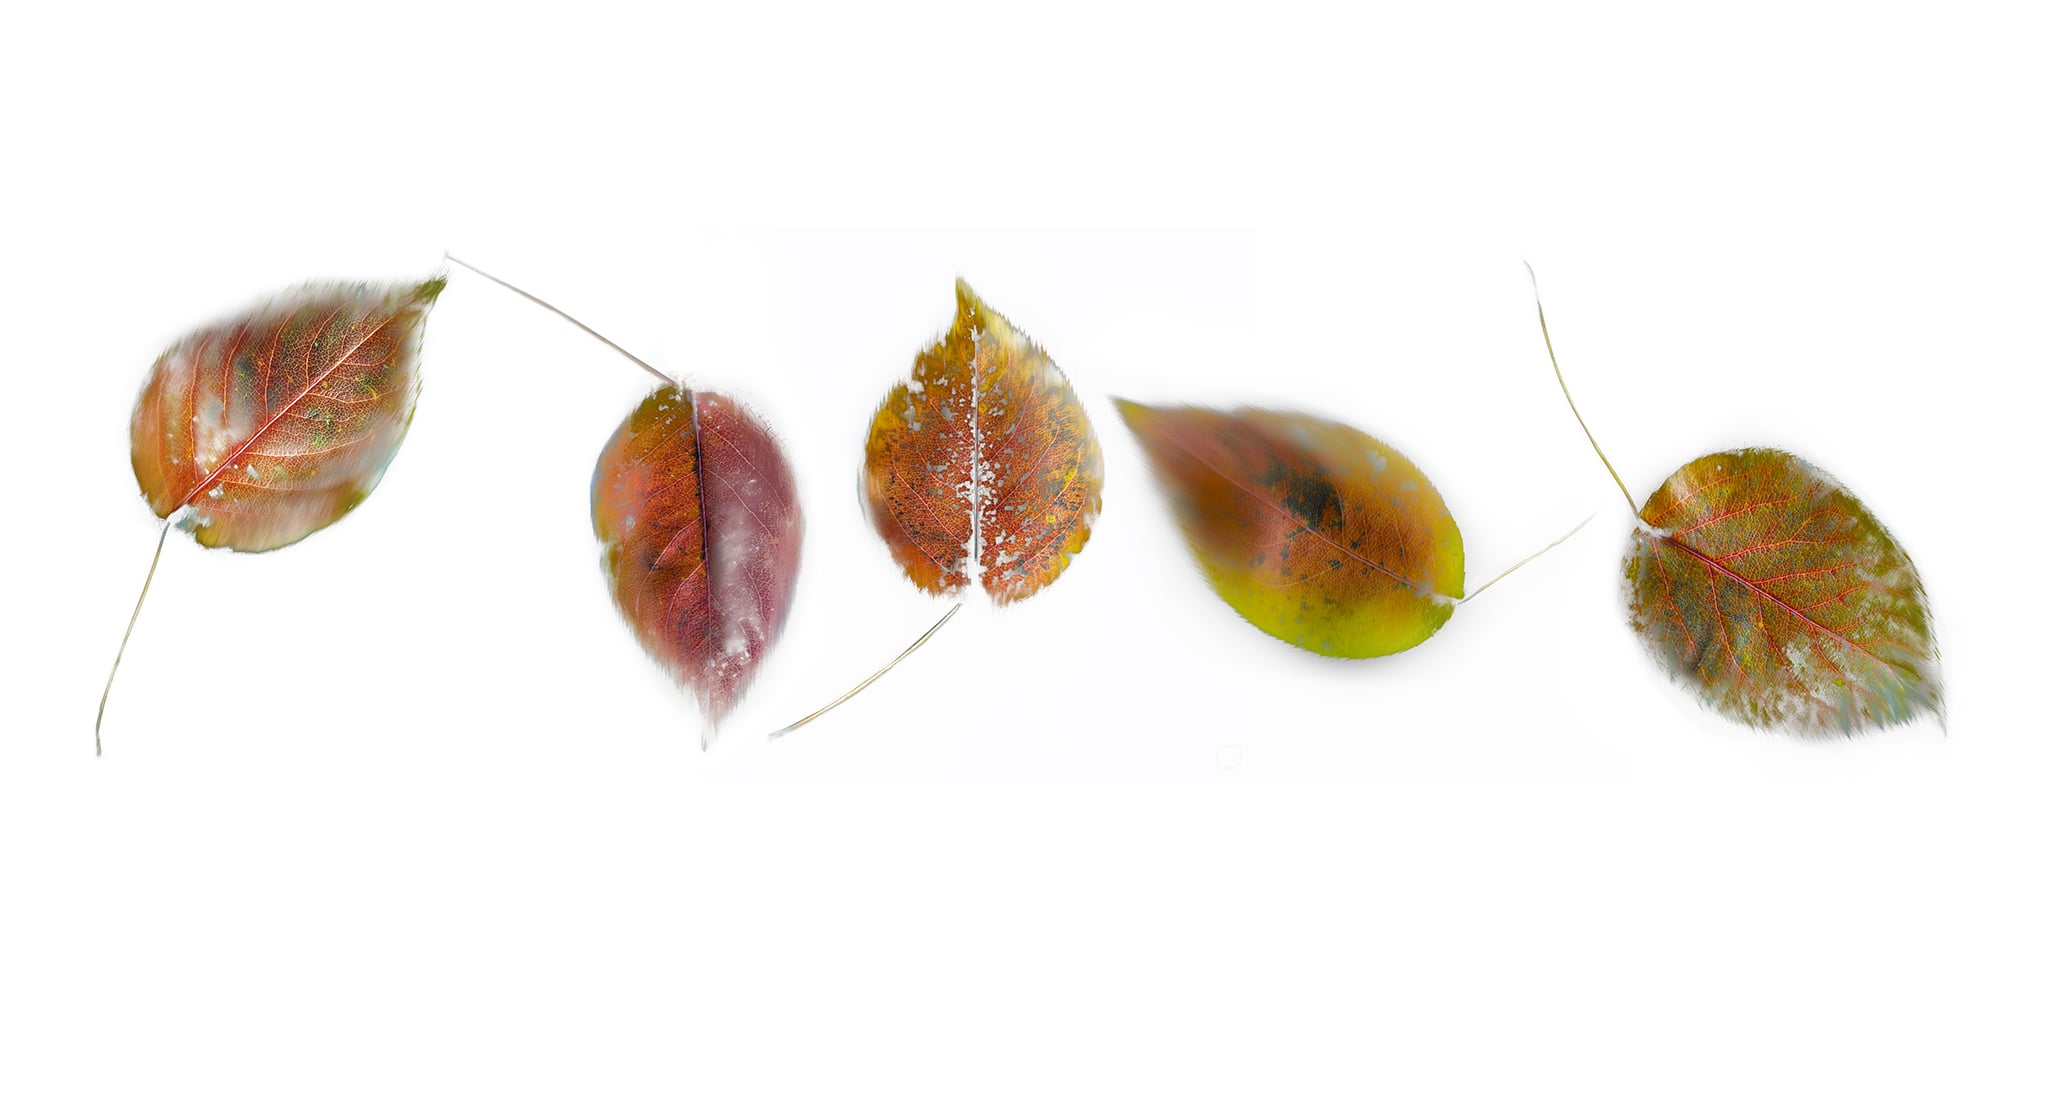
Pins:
x,y
1317,533
275,424
696,511
1767,588
700,537
982,464
981,468
264,428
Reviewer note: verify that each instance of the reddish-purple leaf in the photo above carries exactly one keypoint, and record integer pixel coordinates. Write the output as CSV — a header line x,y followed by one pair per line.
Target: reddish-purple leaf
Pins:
x,y
696,509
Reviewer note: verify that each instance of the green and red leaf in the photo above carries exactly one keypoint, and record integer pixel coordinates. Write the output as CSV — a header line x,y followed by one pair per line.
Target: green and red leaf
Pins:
x,y
1763,585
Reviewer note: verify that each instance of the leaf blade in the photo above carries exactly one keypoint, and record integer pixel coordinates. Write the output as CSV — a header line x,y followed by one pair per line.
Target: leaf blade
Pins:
x,y
982,464
1317,533
1766,587
700,534
277,423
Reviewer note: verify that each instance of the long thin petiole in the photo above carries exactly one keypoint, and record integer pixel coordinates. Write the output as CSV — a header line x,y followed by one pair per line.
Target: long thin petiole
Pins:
x,y
871,680
1545,324
137,614
1554,544
585,327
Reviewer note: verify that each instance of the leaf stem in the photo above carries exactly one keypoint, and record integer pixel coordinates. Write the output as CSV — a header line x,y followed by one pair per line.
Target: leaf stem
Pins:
x,y
584,327
137,614
1545,324
1554,544
849,694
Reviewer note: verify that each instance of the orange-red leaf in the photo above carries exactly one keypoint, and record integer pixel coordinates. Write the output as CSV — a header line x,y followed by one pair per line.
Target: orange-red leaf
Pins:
x,y
696,509
982,461
1317,533
275,424
1767,588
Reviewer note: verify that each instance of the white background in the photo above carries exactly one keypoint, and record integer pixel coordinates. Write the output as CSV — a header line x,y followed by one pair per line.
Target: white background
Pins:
x,y
402,815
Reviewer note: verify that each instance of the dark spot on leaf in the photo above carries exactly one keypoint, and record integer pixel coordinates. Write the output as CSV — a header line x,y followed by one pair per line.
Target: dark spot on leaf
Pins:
x,y
1311,497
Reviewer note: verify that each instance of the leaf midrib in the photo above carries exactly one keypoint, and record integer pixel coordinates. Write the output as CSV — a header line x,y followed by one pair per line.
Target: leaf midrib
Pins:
x,y
312,382
1710,561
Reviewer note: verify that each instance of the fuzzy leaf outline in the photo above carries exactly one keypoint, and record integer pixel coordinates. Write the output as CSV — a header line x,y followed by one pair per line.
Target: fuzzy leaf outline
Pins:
x,y
279,422
369,338
1314,531
1770,589
1876,665
664,558
696,515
